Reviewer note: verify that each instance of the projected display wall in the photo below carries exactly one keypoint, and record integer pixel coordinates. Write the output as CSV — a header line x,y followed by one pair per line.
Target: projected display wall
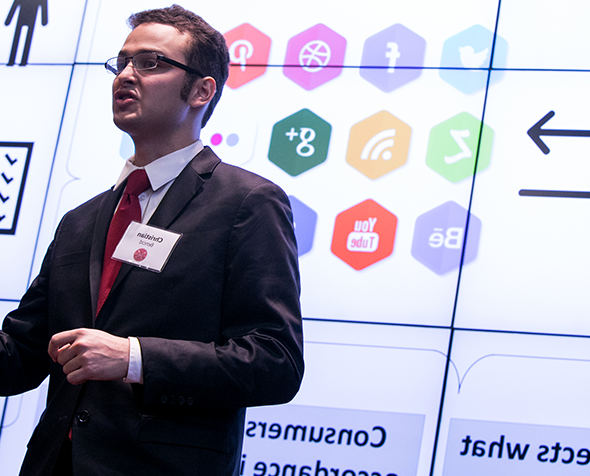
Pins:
x,y
436,154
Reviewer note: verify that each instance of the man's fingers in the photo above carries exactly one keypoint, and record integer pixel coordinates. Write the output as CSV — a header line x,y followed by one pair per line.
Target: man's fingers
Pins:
x,y
64,354
76,377
55,345
59,340
90,354
71,364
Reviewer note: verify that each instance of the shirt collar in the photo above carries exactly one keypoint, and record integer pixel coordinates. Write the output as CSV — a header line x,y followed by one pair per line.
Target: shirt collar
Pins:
x,y
166,168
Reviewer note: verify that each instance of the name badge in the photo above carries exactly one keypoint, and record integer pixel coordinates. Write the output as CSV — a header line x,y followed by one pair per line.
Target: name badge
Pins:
x,y
146,246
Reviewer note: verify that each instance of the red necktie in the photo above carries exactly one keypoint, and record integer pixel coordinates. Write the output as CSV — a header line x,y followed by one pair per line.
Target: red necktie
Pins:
x,y
128,211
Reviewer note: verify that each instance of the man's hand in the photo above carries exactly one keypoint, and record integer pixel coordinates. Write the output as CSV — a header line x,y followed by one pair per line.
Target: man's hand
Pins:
x,y
90,354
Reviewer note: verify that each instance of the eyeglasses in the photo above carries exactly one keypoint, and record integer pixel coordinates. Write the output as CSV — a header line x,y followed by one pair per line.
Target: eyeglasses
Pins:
x,y
142,62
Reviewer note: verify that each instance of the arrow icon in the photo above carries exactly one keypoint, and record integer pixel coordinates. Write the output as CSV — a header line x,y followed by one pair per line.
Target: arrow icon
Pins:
x,y
3,198
2,217
536,132
11,161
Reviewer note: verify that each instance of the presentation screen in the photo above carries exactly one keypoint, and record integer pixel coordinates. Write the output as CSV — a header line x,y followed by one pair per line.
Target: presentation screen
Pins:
x,y
436,156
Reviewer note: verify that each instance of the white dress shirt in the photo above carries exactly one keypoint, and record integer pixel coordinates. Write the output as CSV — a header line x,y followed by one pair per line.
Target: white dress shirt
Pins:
x,y
161,172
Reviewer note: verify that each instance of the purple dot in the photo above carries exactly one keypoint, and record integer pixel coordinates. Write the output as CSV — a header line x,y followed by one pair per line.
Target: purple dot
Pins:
x,y
216,139
232,140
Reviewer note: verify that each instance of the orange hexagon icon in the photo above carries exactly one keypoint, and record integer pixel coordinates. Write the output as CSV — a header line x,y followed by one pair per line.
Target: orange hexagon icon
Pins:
x,y
378,144
249,49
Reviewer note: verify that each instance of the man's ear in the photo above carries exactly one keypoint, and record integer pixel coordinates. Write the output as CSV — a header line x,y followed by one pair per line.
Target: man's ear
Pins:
x,y
202,92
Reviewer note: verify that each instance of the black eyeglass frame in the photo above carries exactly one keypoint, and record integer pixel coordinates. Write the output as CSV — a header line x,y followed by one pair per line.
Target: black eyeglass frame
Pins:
x,y
159,57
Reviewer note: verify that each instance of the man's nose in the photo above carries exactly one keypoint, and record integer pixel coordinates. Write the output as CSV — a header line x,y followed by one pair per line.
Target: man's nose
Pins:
x,y
128,71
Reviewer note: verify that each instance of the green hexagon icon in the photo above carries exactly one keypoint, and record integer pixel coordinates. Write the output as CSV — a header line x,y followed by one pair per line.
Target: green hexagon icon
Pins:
x,y
452,147
299,142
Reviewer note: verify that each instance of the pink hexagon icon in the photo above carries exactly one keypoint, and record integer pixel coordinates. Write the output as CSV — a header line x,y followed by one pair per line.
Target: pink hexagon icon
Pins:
x,y
314,56
249,49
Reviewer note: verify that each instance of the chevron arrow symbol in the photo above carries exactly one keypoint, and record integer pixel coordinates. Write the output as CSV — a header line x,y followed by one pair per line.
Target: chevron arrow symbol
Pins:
x,y
537,131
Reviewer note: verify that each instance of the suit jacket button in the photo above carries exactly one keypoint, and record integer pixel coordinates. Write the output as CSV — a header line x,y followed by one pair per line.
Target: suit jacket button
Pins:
x,y
83,416
181,400
190,401
164,398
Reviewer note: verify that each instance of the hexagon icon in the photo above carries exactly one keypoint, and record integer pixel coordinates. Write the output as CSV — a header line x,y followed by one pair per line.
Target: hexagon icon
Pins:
x,y
364,234
304,219
299,142
378,144
249,50
452,147
314,56
439,235
466,59
385,52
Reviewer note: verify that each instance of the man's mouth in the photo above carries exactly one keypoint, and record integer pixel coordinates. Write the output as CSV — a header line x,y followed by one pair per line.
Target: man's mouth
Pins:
x,y
123,98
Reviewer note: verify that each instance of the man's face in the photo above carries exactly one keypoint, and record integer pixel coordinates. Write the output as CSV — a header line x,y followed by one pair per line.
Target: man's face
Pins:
x,y
147,103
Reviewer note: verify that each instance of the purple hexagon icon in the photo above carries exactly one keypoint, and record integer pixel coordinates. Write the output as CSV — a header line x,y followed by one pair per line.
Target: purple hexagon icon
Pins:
x,y
305,220
393,57
314,56
439,235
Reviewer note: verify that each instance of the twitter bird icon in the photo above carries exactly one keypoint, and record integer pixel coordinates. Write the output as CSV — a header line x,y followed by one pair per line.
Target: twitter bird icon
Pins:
x,y
467,56
471,59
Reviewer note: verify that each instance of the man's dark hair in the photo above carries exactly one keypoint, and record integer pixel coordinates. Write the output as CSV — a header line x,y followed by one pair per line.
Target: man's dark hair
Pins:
x,y
207,50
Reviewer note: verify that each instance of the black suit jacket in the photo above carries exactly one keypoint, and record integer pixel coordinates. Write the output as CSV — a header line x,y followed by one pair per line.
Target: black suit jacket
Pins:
x,y
219,328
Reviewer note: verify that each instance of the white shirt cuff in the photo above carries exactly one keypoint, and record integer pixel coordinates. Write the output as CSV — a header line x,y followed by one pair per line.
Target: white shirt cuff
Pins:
x,y
135,369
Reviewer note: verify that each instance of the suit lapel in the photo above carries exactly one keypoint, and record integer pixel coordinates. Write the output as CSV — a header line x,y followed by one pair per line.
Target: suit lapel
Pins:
x,y
99,238
186,186
184,189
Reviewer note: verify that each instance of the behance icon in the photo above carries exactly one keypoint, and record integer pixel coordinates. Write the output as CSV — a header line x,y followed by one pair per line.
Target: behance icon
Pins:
x,y
466,58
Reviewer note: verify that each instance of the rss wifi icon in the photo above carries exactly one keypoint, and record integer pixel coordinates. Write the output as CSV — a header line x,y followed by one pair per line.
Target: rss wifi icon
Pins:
x,y
378,144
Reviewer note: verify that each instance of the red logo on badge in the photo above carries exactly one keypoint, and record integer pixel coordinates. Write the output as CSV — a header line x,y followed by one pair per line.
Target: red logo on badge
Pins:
x,y
140,254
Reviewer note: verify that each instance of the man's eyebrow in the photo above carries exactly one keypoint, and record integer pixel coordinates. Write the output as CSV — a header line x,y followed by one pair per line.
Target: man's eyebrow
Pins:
x,y
143,50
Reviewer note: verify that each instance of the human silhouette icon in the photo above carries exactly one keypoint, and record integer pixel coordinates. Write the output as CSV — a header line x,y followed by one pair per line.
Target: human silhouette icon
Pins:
x,y
27,16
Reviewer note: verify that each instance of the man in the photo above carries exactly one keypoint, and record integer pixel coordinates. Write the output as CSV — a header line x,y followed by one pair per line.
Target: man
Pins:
x,y
150,371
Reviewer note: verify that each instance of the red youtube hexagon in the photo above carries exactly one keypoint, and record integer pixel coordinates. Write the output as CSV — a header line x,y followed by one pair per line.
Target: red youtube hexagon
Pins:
x,y
249,49
364,234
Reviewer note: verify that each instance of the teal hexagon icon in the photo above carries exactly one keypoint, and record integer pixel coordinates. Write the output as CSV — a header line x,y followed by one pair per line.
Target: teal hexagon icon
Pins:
x,y
299,142
453,147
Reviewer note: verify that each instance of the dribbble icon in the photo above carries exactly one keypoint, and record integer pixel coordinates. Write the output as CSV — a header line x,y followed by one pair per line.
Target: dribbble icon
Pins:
x,y
364,234
314,57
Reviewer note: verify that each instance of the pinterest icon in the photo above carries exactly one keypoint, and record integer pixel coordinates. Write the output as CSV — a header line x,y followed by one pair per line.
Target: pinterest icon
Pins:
x,y
249,49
